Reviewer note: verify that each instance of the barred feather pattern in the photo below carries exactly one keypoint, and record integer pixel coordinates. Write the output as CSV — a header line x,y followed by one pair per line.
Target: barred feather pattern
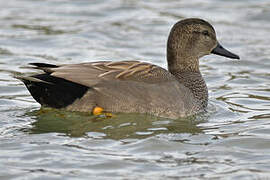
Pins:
x,y
196,84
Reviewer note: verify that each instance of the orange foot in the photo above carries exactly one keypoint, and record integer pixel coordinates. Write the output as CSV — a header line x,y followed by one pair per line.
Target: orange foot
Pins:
x,y
99,111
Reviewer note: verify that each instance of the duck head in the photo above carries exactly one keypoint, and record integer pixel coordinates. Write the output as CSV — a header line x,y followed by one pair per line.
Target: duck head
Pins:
x,y
189,40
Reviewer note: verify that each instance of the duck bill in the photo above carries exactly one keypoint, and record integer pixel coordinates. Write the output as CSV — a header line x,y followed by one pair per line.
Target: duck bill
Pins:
x,y
219,50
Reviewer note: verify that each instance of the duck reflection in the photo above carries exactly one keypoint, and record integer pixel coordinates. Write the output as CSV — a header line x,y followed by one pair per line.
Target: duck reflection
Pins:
x,y
119,126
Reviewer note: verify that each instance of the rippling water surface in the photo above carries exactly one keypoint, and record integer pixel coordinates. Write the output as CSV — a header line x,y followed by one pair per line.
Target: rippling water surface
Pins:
x,y
231,141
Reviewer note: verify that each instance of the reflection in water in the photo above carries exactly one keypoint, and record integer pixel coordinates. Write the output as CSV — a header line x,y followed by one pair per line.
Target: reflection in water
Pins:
x,y
120,126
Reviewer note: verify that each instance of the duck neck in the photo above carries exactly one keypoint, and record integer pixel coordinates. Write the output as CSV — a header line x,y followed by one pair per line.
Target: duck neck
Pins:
x,y
189,75
181,61
195,83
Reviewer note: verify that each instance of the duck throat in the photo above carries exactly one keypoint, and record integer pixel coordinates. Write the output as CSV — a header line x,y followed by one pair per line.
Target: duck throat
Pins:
x,y
181,61
196,84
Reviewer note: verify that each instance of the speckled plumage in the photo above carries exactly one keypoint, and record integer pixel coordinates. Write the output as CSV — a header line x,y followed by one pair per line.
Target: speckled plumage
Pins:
x,y
133,86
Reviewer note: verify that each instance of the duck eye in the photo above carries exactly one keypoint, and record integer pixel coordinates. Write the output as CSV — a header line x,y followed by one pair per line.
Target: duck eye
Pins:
x,y
206,33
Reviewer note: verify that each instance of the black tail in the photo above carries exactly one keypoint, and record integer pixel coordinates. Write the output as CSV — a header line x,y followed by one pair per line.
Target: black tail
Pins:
x,y
43,65
53,91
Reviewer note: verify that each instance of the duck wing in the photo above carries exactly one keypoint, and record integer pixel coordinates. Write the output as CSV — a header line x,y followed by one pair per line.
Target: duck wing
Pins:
x,y
93,73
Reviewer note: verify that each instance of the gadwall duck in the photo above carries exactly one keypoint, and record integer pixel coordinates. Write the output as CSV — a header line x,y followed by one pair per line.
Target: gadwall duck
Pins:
x,y
134,86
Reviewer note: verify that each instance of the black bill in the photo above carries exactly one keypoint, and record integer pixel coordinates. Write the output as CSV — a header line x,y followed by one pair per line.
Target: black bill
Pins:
x,y
219,50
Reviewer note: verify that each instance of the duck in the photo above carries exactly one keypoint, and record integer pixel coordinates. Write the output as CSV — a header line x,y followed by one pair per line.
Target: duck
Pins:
x,y
134,86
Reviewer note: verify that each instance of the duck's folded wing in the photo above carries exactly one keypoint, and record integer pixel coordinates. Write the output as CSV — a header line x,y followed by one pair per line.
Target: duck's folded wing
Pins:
x,y
91,74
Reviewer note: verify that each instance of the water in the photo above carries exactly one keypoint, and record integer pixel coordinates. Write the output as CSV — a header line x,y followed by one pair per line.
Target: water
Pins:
x,y
231,141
